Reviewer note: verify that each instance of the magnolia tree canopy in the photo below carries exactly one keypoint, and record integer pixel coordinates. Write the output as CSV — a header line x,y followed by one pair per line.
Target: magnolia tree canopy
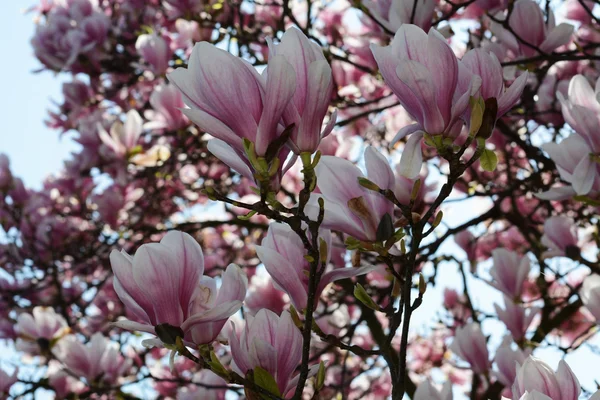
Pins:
x,y
288,199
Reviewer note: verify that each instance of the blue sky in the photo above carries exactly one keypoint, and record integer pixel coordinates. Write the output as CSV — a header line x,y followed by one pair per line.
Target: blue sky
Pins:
x,y
34,150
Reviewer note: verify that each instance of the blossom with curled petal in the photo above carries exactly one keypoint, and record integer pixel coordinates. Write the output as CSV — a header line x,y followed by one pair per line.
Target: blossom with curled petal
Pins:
x,y
164,287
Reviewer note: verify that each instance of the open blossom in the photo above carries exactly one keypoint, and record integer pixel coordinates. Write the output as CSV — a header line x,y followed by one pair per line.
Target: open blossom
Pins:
x,y
529,23
71,30
164,287
486,66
582,111
349,207
393,13
426,391
536,375
98,360
431,95
560,237
123,137
166,102
40,330
517,318
271,342
155,51
509,272
507,359
590,294
470,345
282,253
314,85
410,67
229,100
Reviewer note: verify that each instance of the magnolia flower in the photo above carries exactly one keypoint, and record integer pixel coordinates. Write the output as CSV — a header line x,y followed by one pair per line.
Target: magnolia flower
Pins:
x,y
163,286
467,241
509,272
590,294
535,375
431,95
535,395
582,111
40,331
231,101
486,66
314,86
123,137
166,102
571,158
282,253
271,342
349,207
560,237
516,317
98,360
410,67
426,391
155,50
393,13
529,23
470,345
507,360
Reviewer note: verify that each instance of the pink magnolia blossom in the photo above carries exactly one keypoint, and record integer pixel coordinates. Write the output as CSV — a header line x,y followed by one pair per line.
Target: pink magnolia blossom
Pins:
x,y
470,345
560,237
282,253
431,95
410,67
486,66
529,24
72,29
123,137
349,207
426,391
40,331
155,51
167,102
314,86
213,389
264,294
271,342
516,317
176,8
582,111
164,287
231,101
6,381
575,10
467,241
535,375
509,272
507,360
97,361
393,13
590,294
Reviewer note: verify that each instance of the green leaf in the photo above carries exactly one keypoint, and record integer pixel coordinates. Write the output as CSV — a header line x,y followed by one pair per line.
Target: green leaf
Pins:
x,y
264,379
361,294
488,160
320,376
